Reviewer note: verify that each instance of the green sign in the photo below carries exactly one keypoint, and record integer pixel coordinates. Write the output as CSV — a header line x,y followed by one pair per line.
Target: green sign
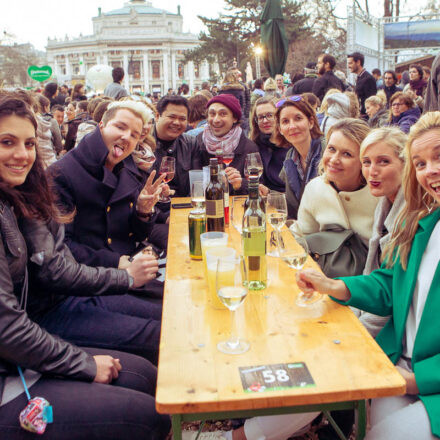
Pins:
x,y
40,73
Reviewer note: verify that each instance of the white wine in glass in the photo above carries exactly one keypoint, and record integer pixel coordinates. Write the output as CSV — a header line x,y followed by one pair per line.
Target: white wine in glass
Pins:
x,y
294,253
231,274
276,213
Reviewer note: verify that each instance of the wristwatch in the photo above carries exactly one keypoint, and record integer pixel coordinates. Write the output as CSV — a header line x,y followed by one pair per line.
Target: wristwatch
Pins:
x,y
130,281
145,215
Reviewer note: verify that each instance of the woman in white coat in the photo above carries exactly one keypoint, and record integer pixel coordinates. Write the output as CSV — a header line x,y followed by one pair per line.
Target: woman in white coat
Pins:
x,y
339,196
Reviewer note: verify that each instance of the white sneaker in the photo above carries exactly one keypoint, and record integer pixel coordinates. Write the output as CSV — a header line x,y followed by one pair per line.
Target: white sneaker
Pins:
x,y
208,435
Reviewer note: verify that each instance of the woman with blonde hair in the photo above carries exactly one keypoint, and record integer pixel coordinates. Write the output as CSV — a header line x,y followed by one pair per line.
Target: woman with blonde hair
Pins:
x,y
339,196
375,107
406,287
270,88
382,166
231,86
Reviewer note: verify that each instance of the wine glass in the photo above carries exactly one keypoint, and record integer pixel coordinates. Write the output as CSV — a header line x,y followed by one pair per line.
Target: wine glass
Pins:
x,y
167,168
253,165
294,253
227,158
231,273
276,214
237,212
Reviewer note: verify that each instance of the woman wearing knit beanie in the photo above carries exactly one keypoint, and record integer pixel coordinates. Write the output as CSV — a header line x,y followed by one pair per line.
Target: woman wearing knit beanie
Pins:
x,y
223,134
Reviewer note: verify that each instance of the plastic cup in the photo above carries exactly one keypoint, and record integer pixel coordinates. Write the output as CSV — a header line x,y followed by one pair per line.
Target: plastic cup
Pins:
x,y
211,240
195,176
227,275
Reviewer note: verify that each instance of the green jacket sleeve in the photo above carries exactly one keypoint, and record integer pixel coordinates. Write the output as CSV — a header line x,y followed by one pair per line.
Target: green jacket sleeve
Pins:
x,y
372,293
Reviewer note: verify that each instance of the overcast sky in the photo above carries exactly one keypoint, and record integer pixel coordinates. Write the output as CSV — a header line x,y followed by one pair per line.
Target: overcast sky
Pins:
x,y
35,20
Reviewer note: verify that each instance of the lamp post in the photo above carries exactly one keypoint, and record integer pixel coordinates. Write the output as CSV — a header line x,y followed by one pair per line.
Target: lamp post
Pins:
x,y
258,51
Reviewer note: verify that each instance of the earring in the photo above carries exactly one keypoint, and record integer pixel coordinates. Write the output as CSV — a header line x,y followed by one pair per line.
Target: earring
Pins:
x,y
428,207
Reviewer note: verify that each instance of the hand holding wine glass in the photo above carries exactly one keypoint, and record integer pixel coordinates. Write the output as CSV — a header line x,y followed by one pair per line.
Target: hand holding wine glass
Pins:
x,y
294,253
167,169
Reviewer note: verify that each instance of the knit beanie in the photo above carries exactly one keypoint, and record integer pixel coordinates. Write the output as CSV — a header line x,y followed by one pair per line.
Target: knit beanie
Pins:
x,y
229,101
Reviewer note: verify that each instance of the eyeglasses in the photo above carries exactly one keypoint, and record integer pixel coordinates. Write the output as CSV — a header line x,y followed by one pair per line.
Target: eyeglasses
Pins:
x,y
293,98
268,116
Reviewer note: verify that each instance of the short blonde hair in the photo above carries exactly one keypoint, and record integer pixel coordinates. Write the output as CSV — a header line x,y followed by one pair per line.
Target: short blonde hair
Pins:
x,y
394,137
270,85
137,108
376,100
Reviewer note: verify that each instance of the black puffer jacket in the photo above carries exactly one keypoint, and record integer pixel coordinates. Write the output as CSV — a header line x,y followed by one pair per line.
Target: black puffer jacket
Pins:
x,y
22,341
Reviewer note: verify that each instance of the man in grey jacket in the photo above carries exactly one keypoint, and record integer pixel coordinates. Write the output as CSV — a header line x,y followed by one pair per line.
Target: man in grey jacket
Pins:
x,y
115,90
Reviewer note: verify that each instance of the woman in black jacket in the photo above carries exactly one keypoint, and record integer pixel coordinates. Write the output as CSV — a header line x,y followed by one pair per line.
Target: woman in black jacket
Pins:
x,y
262,127
74,380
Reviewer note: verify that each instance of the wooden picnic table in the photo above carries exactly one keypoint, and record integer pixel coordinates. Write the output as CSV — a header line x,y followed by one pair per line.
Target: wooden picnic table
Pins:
x,y
197,382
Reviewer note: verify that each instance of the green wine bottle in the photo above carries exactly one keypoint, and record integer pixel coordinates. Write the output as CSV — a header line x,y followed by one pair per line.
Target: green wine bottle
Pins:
x,y
254,239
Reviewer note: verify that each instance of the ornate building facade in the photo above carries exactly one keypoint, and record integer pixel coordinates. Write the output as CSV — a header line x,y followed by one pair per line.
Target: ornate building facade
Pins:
x,y
147,42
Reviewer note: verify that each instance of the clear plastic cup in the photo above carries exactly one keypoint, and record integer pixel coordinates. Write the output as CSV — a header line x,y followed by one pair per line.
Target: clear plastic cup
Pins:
x,y
195,176
210,240
213,255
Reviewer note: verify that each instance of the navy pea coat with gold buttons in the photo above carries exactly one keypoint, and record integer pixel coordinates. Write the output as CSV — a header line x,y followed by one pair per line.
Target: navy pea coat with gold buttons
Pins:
x,y
105,225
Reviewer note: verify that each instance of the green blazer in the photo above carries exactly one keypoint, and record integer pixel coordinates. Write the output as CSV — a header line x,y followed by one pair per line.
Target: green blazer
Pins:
x,y
389,292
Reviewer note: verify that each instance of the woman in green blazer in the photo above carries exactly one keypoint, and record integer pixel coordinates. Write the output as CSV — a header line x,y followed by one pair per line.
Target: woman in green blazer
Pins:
x,y
407,286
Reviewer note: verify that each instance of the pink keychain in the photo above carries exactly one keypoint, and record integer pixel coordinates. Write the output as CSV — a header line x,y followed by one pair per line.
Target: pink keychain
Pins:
x,y
38,412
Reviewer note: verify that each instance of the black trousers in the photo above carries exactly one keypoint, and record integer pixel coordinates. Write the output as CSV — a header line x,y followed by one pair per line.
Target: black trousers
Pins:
x,y
124,409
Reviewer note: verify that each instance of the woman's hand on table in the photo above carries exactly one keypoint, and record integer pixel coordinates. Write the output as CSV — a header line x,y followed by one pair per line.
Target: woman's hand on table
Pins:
x,y
107,368
311,280
143,268
410,379
234,177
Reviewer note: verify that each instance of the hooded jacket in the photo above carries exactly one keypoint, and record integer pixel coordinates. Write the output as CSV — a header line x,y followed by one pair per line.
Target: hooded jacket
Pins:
x,y
45,146
338,107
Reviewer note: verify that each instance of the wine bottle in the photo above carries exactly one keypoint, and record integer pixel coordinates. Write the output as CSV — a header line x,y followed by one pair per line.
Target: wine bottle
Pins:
x,y
214,204
254,240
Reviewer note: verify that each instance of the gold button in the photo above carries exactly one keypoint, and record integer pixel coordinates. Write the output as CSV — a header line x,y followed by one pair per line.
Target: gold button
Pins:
x,y
130,234
131,205
347,198
109,240
108,208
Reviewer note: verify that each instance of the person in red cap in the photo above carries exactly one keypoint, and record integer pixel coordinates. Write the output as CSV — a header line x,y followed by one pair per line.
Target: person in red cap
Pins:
x,y
224,135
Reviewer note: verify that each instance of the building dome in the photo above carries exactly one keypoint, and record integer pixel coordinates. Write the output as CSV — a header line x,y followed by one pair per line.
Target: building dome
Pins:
x,y
138,6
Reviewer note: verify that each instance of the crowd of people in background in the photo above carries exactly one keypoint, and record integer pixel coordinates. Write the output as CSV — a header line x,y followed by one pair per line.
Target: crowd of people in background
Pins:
x,y
84,230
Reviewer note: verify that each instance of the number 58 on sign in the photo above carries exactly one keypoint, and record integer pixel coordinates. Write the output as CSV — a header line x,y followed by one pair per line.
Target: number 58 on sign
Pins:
x,y
275,377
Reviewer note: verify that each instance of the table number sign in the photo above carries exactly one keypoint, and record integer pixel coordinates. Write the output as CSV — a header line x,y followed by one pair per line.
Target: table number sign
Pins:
x,y
275,377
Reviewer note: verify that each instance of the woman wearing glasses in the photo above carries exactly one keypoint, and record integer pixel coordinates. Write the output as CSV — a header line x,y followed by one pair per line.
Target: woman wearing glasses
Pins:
x,y
297,127
403,111
262,128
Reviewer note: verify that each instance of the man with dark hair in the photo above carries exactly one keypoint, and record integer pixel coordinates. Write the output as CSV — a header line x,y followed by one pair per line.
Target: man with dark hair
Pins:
x,y
327,79
304,85
377,74
115,90
63,93
365,83
171,140
389,87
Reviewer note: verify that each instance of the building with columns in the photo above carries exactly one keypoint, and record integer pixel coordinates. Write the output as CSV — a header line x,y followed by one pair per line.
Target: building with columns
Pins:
x,y
147,42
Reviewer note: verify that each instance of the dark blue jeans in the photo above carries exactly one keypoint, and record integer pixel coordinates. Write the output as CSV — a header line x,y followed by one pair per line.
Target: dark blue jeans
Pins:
x,y
124,409
116,322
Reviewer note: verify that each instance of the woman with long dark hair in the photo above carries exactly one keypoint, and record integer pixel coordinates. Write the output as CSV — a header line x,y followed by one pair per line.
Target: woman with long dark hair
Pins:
x,y
74,380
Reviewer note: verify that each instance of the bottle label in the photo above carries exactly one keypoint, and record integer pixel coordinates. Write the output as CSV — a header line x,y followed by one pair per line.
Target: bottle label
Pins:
x,y
214,208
